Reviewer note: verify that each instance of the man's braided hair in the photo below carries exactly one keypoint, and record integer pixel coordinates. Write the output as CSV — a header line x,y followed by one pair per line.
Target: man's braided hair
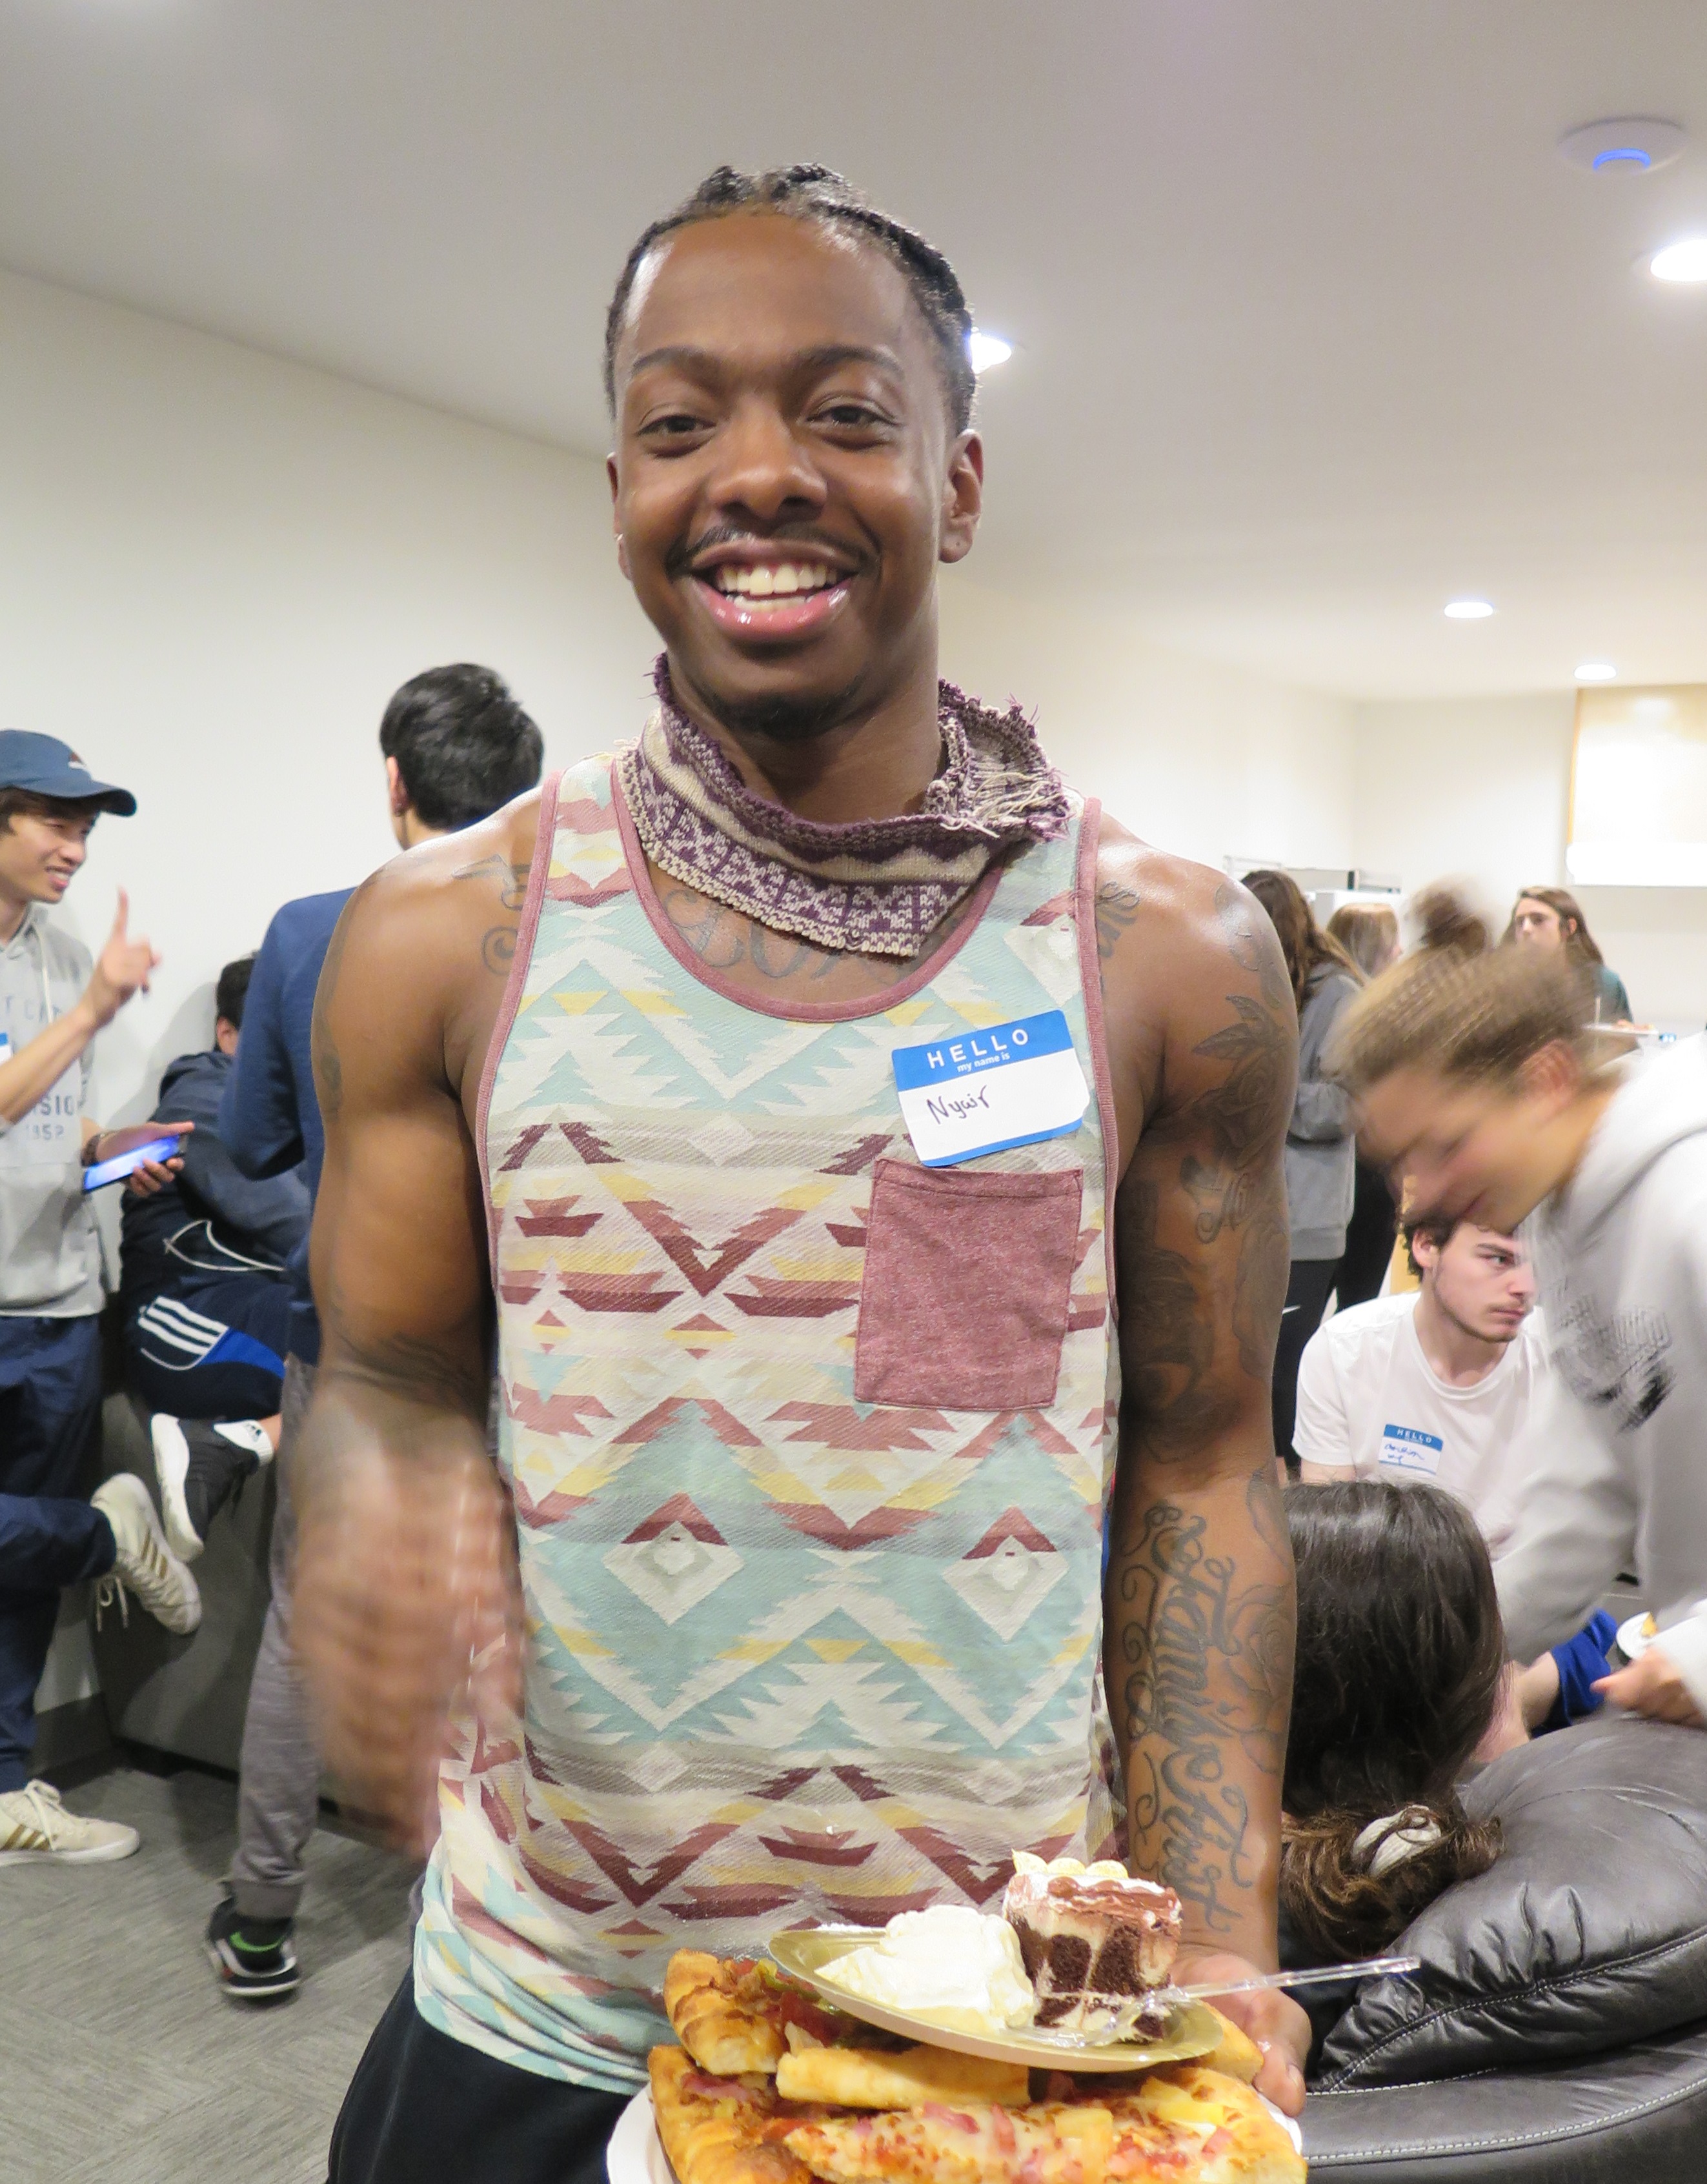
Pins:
x,y
816,193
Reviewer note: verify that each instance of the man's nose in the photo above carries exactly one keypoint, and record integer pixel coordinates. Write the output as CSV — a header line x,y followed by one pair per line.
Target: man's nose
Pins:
x,y
76,848
762,467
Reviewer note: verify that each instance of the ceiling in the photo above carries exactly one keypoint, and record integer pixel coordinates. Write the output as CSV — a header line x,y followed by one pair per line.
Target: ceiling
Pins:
x,y
1316,329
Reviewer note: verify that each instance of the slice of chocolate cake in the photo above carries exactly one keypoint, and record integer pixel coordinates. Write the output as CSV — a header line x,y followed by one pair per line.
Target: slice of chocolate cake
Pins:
x,y
1098,1945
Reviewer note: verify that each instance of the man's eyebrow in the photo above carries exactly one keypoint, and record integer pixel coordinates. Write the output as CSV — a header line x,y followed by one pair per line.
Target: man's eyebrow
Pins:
x,y
823,358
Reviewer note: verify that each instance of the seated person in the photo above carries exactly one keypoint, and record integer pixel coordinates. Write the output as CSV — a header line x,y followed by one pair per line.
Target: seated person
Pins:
x,y
1400,1675
204,1295
1439,1385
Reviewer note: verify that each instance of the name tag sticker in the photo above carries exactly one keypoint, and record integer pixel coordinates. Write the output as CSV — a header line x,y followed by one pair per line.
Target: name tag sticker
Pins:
x,y
985,1091
5,1046
1406,1448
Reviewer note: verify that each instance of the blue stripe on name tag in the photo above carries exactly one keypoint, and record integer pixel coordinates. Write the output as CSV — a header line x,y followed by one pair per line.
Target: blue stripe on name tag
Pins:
x,y
1022,1040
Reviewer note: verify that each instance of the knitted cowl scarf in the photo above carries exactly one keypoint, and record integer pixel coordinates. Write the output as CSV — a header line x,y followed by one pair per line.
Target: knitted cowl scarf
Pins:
x,y
874,887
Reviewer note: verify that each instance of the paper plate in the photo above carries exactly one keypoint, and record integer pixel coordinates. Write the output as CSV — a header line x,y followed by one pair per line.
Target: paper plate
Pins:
x,y
1633,1638
636,2153
805,1953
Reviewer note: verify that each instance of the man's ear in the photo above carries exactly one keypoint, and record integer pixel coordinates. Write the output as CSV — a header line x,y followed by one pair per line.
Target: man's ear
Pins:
x,y
1425,1250
962,499
395,791
616,520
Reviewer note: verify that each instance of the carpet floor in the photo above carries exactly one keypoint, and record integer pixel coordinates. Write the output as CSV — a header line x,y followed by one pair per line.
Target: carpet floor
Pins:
x,y
124,2064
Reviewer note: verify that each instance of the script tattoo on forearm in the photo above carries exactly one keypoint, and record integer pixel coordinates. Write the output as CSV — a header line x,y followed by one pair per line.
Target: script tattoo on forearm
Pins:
x,y
1206,1649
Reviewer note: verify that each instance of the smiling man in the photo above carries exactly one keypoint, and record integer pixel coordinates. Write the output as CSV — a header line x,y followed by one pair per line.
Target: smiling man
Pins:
x,y
812,1409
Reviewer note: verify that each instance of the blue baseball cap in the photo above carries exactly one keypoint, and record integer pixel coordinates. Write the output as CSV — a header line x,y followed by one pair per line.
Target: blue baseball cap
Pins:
x,y
46,767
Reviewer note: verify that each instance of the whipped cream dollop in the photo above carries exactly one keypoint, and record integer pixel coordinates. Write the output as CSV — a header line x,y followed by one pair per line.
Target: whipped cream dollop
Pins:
x,y
955,1965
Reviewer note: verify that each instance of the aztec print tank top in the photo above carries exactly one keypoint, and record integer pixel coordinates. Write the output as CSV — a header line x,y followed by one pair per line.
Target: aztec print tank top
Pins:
x,y
810,1447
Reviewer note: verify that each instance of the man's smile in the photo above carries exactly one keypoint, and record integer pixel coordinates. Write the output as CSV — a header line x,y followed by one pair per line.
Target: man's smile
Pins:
x,y
752,589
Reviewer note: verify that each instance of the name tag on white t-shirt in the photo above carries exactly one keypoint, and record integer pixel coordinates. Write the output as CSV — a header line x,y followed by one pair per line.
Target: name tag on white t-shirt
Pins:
x,y
1410,1449
987,1090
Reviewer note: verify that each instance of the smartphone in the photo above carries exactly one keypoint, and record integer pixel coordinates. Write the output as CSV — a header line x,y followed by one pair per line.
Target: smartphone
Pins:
x,y
123,1164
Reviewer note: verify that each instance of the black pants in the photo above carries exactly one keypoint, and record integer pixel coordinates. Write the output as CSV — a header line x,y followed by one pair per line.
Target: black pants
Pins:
x,y
422,2109
1368,1239
1307,1292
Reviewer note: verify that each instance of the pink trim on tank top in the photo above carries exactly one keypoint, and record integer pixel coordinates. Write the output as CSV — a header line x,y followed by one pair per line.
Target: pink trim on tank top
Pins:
x,y
1096,1031
796,1012
514,985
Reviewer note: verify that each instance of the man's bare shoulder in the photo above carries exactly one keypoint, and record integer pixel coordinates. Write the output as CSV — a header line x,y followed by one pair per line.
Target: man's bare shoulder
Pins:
x,y
1166,924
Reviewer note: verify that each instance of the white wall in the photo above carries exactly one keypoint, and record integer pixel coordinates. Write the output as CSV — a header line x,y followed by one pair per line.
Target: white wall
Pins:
x,y
1478,789
215,568
1201,759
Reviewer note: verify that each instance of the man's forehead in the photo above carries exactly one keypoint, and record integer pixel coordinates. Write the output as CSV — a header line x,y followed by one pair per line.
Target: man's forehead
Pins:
x,y
765,287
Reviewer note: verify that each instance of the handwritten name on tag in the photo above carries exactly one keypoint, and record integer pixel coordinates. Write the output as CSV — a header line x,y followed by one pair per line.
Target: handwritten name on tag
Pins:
x,y
1408,1448
988,1090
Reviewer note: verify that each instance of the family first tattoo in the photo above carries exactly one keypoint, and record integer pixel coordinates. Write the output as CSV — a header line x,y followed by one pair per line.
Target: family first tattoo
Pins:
x,y
1206,1653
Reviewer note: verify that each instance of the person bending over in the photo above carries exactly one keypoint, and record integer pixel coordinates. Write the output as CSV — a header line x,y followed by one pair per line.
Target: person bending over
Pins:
x,y
777,1397
456,745
1478,1083
53,1001
205,1294
1401,1665
1321,1150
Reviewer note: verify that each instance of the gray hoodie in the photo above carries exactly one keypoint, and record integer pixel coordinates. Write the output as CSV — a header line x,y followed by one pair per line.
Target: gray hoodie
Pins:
x,y
50,1251
1321,1152
1616,1478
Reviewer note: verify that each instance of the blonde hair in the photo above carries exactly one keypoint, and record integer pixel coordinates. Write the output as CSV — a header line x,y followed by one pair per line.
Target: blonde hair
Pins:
x,y
1477,1017
1368,933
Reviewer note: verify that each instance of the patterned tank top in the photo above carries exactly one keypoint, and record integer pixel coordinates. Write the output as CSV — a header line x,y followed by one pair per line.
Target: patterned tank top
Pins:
x,y
809,1446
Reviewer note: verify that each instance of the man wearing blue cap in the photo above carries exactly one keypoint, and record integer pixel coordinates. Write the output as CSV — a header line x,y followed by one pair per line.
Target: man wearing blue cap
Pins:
x,y
53,1002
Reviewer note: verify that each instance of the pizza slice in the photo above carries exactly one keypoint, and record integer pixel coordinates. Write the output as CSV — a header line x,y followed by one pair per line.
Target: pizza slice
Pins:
x,y
1189,2123
733,2014
722,2130
1050,2143
863,2078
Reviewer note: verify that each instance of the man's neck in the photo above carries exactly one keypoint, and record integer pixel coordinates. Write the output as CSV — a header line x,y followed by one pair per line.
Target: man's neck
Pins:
x,y
1454,1353
874,761
13,914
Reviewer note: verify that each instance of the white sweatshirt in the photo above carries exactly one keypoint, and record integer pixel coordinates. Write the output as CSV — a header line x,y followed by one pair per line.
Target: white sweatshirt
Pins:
x,y
1616,1472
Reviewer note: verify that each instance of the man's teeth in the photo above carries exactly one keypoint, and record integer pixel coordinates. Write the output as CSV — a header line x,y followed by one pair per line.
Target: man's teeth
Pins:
x,y
769,581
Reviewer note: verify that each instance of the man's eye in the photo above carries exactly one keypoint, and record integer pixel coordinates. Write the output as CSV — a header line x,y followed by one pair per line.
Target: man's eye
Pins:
x,y
673,425
858,414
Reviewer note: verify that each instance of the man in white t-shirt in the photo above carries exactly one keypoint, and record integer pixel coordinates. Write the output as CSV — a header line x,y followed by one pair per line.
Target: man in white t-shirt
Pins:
x,y
1434,1386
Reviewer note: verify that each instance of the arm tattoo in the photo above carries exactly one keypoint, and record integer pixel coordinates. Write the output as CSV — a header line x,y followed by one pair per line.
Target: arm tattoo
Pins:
x,y
1116,908
1239,1117
1207,1657
1252,948
1170,1404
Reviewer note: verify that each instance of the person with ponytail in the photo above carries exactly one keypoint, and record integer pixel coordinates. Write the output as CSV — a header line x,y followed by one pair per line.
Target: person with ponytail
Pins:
x,y
1321,1151
1400,1676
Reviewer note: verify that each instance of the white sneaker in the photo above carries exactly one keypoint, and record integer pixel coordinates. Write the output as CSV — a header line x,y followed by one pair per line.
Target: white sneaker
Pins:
x,y
145,1563
36,1828
201,1466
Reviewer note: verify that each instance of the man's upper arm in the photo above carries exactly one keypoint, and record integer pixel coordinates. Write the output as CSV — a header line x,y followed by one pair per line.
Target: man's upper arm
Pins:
x,y
399,1254
1322,1434
258,1124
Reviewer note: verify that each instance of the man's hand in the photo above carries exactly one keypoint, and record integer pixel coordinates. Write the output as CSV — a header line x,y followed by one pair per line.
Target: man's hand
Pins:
x,y
1653,1686
1271,2017
100,1145
123,968
407,1598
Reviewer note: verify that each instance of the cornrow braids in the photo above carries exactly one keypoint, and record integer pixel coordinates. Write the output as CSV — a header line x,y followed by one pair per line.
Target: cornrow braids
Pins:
x,y
1479,1017
806,191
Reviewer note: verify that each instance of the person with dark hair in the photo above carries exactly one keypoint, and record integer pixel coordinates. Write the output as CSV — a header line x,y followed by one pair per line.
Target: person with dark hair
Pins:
x,y
205,1295
1445,922
1479,1082
54,1001
1321,1144
1400,1675
1552,917
650,1089
1368,932
456,746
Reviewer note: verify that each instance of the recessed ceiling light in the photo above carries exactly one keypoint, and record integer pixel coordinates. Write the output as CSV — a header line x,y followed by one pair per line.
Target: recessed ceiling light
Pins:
x,y
1635,145
1686,260
1597,670
987,350
1468,609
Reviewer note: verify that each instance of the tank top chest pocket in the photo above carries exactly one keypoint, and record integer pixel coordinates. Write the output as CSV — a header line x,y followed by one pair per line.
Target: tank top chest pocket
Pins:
x,y
963,1302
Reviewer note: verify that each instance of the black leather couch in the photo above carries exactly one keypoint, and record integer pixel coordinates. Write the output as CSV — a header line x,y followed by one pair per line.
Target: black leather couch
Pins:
x,y
1558,2028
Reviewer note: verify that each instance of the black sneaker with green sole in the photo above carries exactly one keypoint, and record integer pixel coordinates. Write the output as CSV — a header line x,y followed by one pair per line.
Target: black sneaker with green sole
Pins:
x,y
255,1957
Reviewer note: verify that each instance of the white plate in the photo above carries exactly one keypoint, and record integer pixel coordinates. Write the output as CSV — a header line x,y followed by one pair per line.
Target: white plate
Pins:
x,y
1634,1641
636,2153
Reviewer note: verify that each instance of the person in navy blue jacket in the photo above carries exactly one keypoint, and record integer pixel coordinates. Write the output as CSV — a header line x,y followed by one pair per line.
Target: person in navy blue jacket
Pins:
x,y
456,747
